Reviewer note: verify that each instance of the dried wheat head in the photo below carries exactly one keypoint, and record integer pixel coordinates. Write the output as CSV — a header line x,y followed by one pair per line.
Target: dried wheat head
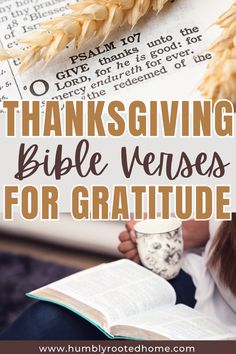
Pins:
x,y
219,81
87,19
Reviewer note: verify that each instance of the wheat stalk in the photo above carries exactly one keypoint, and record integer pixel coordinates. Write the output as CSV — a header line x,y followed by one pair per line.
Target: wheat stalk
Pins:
x,y
87,19
219,81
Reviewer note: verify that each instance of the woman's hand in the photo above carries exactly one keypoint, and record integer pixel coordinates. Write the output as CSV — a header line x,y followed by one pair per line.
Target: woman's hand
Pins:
x,y
195,234
128,243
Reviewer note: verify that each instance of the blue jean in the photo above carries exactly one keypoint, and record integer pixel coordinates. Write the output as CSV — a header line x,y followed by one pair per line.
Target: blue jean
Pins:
x,y
47,321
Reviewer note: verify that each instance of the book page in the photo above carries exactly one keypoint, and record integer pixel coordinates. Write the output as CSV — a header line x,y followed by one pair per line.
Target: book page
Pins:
x,y
154,57
118,290
178,323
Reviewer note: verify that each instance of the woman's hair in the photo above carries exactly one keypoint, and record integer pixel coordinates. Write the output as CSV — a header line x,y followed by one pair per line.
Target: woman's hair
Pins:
x,y
223,253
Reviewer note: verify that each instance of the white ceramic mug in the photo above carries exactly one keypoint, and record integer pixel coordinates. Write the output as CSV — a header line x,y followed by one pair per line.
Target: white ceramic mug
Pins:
x,y
160,245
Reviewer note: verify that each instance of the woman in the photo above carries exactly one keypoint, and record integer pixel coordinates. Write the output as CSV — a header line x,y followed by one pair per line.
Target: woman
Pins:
x,y
206,282
213,272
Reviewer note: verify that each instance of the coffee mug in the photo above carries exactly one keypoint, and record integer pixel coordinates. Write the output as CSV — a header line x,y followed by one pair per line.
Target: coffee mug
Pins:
x,y
160,245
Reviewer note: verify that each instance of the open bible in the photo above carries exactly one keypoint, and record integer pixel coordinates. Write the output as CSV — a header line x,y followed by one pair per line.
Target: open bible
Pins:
x,y
125,300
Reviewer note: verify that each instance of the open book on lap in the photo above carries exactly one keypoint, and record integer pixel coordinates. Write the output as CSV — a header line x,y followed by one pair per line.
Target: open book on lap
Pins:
x,y
125,300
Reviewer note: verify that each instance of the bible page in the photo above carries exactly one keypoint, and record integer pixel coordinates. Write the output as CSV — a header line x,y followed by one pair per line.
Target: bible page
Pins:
x,y
158,54
176,322
118,290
